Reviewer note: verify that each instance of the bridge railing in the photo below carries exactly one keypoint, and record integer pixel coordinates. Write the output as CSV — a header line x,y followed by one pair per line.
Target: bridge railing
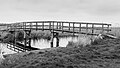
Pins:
x,y
72,27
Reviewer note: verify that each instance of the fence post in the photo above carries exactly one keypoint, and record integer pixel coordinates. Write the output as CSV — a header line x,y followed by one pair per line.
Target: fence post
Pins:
x,y
52,38
53,26
73,27
107,28
87,28
24,26
69,26
57,38
92,28
102,28
42,26
57,25
50,26
79,27
36,26
25,41
30,25
62,27
29,38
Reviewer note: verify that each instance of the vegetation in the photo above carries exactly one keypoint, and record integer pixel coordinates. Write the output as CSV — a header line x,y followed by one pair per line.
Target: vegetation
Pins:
x,y
105,54
46,35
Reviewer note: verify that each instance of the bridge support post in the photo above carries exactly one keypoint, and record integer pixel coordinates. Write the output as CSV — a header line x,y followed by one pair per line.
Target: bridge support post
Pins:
x,y
57,40
27,41
52,38
54,35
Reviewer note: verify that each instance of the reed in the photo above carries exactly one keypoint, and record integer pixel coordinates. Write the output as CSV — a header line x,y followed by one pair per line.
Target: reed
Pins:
x,y
35,35
85,40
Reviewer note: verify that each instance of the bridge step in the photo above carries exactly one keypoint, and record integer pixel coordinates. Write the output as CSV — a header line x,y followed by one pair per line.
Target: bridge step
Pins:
x,y
20,47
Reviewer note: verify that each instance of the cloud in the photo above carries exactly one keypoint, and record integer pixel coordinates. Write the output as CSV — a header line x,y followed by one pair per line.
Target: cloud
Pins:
x,y
95,7
102,7
89,10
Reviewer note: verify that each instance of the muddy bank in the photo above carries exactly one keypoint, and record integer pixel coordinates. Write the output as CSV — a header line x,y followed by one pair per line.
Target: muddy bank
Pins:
x,y
106,54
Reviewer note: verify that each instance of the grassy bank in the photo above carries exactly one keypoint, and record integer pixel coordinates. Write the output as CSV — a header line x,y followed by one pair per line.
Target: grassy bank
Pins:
x,y
103,55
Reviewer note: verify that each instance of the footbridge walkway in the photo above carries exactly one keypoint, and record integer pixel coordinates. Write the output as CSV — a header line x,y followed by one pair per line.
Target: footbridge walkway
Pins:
x,y
55,27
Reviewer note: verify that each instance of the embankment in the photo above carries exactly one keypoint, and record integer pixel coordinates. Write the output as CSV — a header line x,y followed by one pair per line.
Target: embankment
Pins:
x,y
106,54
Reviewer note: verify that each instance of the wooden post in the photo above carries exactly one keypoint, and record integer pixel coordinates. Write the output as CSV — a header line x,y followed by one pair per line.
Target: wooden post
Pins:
x,y
79,27
29,39
73,27
30,25
52,38
53,27
86,28
50,26
57,39
102,28
62,27
36,26
25,25
69,26
92,28
107,28
14,43
42,26
25,41
57,25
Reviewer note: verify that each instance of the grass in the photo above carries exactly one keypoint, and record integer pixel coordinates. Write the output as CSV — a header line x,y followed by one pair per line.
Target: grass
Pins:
x,y
103,55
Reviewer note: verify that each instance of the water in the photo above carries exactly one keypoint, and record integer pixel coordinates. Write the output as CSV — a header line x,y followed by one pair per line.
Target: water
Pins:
x,y
42,43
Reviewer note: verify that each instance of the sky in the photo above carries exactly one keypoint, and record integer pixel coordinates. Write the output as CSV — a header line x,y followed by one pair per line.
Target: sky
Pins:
x,y
102,11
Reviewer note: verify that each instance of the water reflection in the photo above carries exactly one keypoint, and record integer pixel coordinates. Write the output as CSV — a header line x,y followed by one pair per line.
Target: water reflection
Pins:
x,y
42,43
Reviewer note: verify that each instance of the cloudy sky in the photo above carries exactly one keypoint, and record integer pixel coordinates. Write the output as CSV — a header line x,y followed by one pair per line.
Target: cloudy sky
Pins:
x,y
107,11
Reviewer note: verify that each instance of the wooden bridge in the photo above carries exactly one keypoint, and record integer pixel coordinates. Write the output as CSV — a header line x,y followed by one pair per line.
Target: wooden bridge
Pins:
x,y
54,27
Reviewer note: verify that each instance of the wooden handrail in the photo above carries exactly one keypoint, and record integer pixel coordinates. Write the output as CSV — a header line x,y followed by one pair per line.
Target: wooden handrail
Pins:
x,y
60,25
